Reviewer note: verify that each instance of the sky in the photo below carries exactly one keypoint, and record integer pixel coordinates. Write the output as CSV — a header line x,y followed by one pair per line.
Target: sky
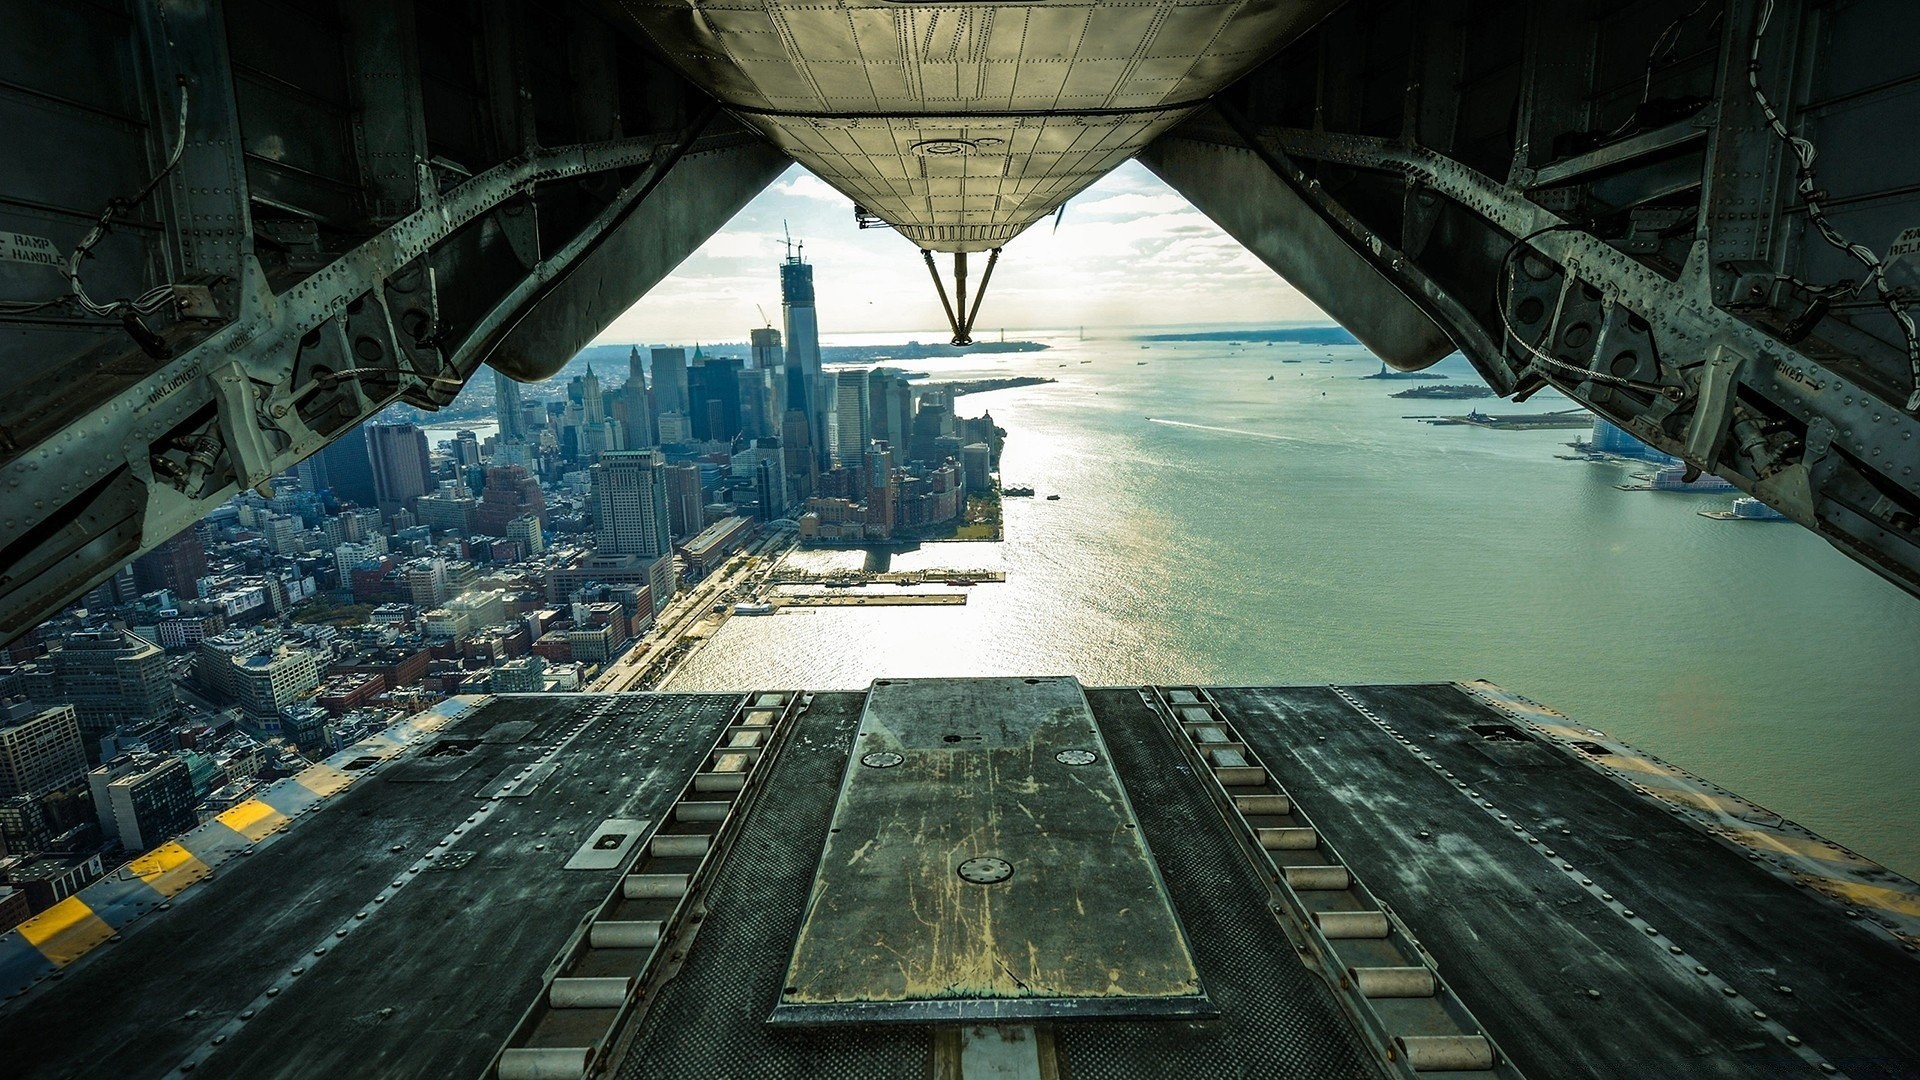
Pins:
x,y
1129,252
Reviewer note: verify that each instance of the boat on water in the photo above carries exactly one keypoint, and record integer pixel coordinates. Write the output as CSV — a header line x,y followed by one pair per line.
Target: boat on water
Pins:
x,y
1140,363
1053,498
1269,378
1746,509
760,608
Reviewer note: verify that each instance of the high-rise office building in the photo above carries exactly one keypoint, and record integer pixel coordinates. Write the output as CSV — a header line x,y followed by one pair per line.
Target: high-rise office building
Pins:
x,y
763,394
853,413
637,402
177,564
876,469
767,353
803,331
593,404
466,448
670,381
686,502
401,469
714,383
508,409
796,436
511,492
890,397
630,504
143,799
267,682
805,391
349,467
40,752
113,679
770,487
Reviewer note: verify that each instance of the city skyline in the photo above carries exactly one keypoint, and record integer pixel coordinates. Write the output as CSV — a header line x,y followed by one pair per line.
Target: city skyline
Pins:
x,y
1125,238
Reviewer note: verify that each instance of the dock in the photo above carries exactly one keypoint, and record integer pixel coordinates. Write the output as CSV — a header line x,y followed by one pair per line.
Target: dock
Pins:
x,y
869,600
845,578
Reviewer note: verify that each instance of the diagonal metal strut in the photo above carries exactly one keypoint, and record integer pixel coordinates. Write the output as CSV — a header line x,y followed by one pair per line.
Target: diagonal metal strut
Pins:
x,y
959,317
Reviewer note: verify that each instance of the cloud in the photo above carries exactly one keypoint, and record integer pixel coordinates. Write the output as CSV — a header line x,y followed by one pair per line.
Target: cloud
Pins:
x,y
1131,203
808,186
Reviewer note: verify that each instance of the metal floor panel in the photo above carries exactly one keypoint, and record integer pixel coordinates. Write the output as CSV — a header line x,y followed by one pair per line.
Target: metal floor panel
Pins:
x,y
710,1020
1278,1019
983,864
1591,931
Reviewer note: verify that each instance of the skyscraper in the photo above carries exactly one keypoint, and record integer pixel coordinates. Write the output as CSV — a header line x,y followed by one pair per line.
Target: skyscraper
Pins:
x,y
796,437
763,386
400,464
804,390
630,504
767,353
670,380
714,386
508,410
890,397
177,564
852,409
686,503
592,404
349,467
876,467
638,404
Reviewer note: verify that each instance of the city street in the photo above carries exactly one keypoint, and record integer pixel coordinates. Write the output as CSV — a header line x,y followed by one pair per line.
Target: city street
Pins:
x,y
690,618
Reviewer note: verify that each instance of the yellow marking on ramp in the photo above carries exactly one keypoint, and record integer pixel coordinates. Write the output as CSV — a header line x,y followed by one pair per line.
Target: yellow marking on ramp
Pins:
x,y
66,931
1879,897
252,819
1626,763
1797,846
1701,800
168,869
323,780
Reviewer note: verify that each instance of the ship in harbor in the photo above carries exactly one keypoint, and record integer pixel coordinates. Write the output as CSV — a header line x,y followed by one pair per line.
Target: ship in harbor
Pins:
x,y
1563,418
1681,478
1746,508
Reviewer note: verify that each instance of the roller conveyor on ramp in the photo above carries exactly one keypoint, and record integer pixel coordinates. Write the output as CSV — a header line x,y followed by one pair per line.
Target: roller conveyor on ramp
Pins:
x,y
1012,877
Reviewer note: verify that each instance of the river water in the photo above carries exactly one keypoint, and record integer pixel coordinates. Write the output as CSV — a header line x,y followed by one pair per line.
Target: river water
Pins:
x,y
1221,527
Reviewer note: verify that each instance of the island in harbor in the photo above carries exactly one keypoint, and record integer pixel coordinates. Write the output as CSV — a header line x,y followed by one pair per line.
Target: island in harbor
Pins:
x,y
1386,372
1462,392
918,350
963,387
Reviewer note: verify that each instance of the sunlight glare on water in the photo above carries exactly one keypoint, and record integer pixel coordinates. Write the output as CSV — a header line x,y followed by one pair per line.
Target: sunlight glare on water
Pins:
x,y
1216,526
